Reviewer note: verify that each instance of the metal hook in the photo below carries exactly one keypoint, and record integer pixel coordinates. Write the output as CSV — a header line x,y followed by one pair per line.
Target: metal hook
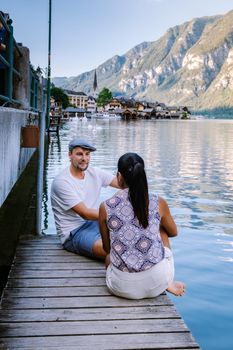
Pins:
x,y
5,103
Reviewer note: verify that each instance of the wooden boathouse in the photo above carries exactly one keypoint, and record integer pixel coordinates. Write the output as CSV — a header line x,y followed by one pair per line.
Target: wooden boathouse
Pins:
x,y
58,300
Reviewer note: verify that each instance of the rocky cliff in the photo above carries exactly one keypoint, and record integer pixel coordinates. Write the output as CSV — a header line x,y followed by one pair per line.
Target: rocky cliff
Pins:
x,y
190,64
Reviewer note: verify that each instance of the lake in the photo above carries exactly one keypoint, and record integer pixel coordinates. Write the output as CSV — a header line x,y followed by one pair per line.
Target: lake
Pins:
x,y
190,164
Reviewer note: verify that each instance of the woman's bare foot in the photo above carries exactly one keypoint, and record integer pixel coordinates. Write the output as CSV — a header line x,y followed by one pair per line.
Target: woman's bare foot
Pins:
x,y
177,288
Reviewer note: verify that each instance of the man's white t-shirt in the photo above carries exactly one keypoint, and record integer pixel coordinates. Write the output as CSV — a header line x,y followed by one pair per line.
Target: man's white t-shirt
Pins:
x,y
67,191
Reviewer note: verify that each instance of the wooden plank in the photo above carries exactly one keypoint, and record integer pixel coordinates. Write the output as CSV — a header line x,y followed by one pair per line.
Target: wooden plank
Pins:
x,y
79,265
40,243
80,302
28,249
55,292
56,282
17,273
92,327
43,252
53,259
4,347
124,313
104,342
44,239
35,238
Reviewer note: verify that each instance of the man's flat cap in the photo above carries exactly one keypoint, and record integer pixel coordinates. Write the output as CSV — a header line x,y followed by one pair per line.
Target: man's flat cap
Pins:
x,y
77,142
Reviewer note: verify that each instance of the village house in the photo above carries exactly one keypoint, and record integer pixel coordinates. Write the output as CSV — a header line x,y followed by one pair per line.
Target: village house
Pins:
x,y
77,99
81,101
140,106
113,105
91,104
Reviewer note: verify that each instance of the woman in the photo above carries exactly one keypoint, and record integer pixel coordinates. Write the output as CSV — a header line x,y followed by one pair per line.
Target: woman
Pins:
x,y
135,228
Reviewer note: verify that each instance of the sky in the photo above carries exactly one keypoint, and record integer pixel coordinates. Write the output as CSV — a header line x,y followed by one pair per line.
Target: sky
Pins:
x,y
86,33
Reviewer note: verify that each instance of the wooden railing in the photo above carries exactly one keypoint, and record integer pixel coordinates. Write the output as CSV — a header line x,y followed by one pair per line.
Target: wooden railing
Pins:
x,y
10,75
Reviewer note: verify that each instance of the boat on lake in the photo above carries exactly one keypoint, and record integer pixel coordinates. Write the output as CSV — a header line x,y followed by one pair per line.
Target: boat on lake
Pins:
x,y
105,116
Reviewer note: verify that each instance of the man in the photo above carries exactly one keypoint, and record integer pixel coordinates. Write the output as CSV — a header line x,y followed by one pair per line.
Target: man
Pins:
x,y
75,200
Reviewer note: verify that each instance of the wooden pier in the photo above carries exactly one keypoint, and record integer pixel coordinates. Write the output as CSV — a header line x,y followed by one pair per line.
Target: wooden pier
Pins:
x,y
58,300
54,125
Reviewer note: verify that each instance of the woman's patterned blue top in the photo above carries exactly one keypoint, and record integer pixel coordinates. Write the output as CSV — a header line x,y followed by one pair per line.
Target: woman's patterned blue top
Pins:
x,y
133,248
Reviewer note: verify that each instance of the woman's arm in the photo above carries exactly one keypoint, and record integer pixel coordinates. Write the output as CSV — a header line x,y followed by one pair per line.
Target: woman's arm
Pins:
x,y
167,222
103,228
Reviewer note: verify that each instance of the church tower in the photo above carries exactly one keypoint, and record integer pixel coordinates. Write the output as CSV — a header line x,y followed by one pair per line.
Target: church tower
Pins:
x,y
95,84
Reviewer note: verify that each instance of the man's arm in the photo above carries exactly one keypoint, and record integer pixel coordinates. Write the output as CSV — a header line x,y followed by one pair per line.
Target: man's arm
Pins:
x,y
86,213
64,193
103,228
114,183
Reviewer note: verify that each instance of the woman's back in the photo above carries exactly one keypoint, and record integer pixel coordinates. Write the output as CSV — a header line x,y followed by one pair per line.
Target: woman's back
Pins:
x,y
132,223
133,248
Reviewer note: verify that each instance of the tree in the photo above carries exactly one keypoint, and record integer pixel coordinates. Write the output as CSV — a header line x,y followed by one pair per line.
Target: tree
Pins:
x,y
104,96
59,96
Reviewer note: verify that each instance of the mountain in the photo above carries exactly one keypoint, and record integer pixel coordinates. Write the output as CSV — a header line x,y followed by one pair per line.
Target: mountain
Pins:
x,y
191,64
108,74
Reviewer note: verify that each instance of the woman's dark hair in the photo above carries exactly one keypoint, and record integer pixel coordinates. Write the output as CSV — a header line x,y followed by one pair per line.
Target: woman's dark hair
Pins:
x,y
131,167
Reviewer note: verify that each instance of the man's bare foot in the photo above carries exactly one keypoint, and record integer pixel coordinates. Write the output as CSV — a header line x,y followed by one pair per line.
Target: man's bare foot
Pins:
x,y
177,288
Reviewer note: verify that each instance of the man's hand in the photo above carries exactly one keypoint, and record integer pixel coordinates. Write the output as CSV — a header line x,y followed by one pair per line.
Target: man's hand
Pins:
x,y
114,183
86,213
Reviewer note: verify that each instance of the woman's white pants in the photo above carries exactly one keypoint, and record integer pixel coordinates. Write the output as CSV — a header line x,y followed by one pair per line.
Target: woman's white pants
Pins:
x,y
145,284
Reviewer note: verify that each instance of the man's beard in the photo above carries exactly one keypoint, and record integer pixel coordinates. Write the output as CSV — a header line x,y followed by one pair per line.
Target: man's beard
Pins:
x,y
77,166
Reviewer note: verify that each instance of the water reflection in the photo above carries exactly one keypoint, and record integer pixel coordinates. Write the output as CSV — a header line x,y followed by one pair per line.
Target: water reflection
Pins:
x,y
189,163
